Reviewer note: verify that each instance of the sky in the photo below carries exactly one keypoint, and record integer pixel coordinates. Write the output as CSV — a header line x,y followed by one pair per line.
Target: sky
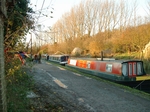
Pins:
x,y
59,7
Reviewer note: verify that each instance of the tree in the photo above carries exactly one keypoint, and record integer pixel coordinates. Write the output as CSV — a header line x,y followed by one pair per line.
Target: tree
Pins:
x,y
18,23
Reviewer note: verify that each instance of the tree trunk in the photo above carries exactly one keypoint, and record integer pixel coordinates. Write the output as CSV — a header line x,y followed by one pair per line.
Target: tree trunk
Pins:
x,y
3,103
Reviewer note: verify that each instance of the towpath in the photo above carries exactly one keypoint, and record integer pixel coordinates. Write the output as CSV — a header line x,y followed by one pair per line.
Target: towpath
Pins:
x,y
61,90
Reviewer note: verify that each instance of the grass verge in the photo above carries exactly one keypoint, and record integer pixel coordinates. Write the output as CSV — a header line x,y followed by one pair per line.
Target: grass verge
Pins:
x,y
18,84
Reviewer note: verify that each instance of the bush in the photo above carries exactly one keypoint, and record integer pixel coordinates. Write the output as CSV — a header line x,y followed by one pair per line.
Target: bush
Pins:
x,y
147,66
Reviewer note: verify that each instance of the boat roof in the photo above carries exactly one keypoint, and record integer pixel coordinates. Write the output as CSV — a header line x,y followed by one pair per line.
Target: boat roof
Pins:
x,y
109,60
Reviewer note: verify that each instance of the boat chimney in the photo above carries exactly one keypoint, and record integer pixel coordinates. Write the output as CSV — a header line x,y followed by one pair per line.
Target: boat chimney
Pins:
x,y
101,55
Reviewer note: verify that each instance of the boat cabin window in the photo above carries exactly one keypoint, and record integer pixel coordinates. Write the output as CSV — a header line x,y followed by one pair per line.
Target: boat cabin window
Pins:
x,y
64,58
132,69
139,68
109,67
124,69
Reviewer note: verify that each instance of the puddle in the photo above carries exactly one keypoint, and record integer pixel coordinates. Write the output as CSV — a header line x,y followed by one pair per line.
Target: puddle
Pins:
x,y
31,94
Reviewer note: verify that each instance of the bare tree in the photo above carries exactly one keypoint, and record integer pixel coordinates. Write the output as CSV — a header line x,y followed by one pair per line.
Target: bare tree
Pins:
x,y
80,20
91,11
101,20
148,10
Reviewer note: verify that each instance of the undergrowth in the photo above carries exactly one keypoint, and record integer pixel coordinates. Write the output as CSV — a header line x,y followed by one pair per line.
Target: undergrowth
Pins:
x,y
18,84
147,66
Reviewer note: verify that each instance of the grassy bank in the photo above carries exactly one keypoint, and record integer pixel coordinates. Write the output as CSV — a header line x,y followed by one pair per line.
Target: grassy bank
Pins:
x,y
18,84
